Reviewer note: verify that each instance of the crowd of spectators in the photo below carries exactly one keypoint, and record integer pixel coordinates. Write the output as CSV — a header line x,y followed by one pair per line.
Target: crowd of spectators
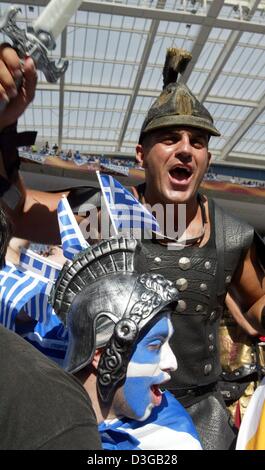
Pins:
x,y
211,176
81,159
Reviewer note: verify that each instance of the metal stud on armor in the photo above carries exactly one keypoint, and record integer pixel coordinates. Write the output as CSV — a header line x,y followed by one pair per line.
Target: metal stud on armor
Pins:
x,y
182,306
207,369
182,284
199,308
203,287
184,263
213,316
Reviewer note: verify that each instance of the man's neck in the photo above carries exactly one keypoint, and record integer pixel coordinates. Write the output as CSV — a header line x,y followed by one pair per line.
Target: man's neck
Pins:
x,y
89,383
187,216
192,210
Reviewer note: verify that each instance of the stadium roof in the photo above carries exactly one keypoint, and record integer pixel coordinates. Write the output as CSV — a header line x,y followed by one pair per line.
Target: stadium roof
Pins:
x,y
116,51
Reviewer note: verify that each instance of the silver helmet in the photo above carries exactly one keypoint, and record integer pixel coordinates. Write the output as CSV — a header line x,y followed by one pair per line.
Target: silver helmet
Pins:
x,y
105,303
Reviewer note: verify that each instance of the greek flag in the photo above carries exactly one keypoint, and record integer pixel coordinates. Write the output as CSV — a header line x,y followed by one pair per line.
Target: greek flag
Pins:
x,y
49,335
71,236
19,290
51,338
38,307
169,427
33,262
127,214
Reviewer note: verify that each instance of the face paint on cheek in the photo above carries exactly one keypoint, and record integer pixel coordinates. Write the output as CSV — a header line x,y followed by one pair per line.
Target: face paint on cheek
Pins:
x,y
144,371
168,359
137,394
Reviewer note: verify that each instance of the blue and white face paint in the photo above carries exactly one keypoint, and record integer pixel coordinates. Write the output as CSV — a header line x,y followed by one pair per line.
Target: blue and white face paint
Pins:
x,y
149,367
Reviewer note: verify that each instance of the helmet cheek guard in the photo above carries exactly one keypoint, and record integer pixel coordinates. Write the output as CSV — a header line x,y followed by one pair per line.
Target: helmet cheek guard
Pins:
x,y
114,360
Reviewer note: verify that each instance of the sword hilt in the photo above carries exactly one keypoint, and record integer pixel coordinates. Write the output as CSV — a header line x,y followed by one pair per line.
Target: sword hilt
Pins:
x,y
27,43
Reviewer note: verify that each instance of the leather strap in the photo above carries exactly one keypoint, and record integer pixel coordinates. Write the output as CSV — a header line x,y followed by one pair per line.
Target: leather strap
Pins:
x,y
219,237
260,247
10,139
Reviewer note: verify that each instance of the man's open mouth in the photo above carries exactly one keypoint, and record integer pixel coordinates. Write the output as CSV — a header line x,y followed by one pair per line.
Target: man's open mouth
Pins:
x,y
180,173
156,394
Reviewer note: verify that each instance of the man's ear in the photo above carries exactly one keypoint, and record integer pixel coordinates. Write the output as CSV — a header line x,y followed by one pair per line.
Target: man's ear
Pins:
x,y
96,358
139,155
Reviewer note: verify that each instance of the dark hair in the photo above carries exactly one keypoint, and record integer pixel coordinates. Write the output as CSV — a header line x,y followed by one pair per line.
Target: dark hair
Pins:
x,y
5,234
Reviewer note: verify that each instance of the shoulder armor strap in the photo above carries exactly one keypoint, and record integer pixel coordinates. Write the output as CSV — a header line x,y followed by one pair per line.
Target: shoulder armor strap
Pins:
x,y
237,233
260,247
233,238
220,248
84,196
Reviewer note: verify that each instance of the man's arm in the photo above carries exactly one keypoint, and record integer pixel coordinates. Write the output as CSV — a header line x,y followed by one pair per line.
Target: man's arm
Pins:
x,y
248,289
33,213
238,316
36,217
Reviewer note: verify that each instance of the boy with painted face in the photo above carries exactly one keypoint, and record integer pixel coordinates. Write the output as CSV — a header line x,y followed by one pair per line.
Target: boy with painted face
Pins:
x,y
149,367
119,330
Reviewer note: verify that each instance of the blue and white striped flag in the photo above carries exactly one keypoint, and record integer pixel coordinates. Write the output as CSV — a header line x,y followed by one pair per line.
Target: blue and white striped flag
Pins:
x,y
71,236
19,290
38,307
127,214
51,338
169,427
49,335
38,264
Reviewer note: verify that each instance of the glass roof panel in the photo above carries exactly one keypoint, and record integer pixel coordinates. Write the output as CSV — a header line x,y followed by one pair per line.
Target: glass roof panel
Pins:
x,y
106,54
253,140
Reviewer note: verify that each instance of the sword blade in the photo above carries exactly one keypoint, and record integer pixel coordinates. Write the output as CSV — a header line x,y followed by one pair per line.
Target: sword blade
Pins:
x,y
55,17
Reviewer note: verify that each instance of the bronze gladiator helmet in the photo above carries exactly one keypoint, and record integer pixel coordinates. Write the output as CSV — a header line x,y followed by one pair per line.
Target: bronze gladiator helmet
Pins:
x,y
176,105
105,303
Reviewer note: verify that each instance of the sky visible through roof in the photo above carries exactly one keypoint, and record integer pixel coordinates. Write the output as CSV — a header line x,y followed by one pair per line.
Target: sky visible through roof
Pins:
x,y
116,52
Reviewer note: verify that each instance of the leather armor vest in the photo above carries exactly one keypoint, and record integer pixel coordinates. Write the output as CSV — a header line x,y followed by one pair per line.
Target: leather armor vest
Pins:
x,y
202,276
